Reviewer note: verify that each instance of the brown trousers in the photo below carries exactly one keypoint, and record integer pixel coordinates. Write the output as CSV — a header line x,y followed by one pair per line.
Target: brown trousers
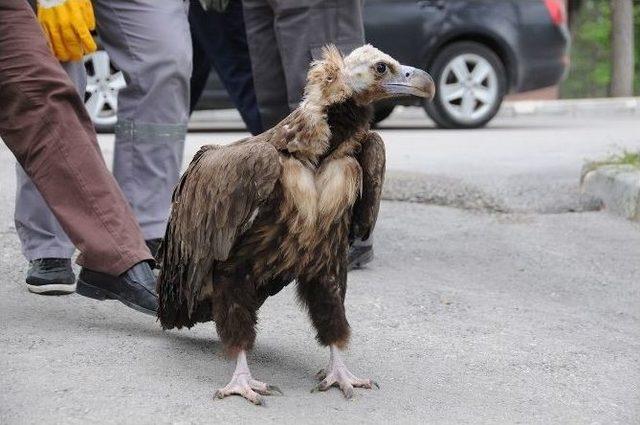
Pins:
x,y
45,125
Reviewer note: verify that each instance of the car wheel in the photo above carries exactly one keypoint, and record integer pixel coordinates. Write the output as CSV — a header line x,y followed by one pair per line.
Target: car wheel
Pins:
x,y
101,95
470,86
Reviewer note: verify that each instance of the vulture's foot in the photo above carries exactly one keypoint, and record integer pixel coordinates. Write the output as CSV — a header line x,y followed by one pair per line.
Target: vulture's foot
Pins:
x,y
244,385
337,375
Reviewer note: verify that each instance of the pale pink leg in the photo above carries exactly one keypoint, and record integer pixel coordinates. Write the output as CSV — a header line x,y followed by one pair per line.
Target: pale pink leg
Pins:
x,y
337,374
244,385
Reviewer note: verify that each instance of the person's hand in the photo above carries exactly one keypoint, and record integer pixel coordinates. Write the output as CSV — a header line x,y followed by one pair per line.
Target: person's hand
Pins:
x,y
67,25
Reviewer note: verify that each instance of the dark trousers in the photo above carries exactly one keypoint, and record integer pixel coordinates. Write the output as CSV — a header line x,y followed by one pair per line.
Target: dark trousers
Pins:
x,y
284,36
219,41
44,123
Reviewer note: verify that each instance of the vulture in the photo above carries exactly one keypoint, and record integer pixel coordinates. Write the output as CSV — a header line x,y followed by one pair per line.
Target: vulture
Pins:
x,y
251,217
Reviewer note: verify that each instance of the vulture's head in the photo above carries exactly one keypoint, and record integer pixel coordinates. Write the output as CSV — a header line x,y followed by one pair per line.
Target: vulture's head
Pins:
x,y
366,75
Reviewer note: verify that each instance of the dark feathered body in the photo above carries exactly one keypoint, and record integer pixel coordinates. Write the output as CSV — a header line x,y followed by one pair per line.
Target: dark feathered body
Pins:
x,y
251,217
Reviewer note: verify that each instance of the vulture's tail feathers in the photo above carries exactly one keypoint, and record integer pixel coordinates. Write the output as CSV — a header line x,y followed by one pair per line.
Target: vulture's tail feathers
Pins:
x,y
172,306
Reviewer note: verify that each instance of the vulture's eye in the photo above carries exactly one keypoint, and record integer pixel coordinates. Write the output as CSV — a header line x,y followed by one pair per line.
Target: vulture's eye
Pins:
x,y
381,68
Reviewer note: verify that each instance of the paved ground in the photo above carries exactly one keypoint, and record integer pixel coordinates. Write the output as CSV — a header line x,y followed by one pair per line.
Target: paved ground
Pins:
x,y
465,316
517,164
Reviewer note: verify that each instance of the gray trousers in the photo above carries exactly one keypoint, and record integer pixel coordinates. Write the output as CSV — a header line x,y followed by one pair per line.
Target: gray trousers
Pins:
x,y
39,231
284,36
149,41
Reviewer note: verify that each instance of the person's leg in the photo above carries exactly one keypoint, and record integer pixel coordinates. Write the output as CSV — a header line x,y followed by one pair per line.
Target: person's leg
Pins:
x,y
268,74
40,233
44,243
45,125
201,68
304,27
222,37
149,41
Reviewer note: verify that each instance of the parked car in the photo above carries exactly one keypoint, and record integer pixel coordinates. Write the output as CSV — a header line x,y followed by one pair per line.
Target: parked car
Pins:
x,y
476,50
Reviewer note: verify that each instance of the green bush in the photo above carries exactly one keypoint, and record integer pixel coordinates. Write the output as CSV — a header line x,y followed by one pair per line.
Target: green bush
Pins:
x,y
590,72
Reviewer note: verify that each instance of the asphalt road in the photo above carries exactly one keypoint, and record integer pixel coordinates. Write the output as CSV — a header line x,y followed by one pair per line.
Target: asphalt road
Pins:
x,y
523,164
464,317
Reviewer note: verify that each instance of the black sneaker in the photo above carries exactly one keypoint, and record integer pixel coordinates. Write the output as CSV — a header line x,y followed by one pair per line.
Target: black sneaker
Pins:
x,y
135,288
51,276
359,256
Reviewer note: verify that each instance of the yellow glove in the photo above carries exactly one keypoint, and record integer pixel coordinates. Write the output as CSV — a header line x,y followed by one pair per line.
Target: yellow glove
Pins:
x,y
67,25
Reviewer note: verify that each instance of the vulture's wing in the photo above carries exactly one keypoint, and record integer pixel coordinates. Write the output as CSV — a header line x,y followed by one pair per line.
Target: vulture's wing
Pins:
x,y
215,202
365,211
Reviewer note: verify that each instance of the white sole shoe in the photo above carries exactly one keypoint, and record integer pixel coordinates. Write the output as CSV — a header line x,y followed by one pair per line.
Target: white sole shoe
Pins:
x,y
52,289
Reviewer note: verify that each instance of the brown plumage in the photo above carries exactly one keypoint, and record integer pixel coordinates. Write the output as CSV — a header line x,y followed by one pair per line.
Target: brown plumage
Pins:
x,y
251,217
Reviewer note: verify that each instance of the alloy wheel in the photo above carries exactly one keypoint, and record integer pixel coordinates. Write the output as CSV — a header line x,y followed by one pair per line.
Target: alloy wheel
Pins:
x,y
103,85
468,87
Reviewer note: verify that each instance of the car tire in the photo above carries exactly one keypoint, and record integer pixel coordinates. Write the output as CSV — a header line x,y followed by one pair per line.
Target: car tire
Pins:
x,y
464,98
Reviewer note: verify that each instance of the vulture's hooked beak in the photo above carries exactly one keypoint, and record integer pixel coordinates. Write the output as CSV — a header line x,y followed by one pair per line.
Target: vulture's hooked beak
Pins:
x,y
411,81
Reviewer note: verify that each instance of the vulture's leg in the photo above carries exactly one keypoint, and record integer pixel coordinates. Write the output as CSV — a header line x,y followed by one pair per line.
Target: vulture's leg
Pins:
x,y
234,311
242,383
337,374
324,296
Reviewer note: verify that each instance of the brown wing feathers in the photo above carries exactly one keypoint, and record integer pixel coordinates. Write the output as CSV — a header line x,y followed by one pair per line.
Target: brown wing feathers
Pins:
x,y
212,205
365,211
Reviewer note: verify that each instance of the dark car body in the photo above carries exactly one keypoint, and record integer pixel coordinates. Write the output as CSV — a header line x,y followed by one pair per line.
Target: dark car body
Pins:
x,y
533,50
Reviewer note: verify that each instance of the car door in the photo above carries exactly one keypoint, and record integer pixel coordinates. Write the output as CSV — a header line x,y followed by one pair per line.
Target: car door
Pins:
x,y
405,29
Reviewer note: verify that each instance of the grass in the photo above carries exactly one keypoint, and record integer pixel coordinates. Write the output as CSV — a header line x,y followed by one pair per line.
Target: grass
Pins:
x,y
631,158
624,158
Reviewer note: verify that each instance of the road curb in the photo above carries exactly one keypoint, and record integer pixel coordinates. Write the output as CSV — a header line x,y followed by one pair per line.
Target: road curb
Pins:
x,y
618,186
464,194
572,107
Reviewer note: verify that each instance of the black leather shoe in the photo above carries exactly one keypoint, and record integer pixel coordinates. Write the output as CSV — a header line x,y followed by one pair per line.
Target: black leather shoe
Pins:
x,y
51,276
135,288
359,256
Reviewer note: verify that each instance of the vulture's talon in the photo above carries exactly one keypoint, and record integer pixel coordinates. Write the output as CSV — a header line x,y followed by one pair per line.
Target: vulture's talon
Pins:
x,y
321,374
347,390
322,386
272,389
245,391
338,375
244,385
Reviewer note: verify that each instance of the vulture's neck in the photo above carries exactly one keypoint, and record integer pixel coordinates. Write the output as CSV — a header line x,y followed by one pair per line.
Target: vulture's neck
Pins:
x,y
313,131
345,119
